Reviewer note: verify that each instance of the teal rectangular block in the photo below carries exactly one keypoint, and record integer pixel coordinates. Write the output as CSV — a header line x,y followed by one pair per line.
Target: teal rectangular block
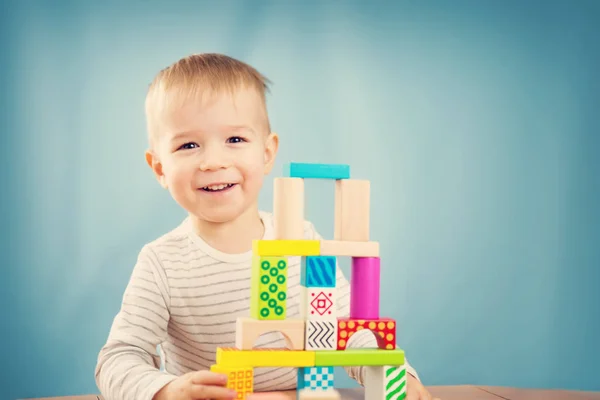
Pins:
x,y
317,171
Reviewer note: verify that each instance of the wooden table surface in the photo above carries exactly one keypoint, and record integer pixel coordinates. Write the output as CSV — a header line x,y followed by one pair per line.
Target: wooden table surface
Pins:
x,y
461,392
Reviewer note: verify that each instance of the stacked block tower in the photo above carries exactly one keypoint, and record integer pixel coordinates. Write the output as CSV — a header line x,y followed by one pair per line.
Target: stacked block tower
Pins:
x,y
317,341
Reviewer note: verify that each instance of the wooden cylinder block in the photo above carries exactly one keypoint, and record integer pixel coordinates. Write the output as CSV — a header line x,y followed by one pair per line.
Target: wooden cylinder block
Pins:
x,y
364,288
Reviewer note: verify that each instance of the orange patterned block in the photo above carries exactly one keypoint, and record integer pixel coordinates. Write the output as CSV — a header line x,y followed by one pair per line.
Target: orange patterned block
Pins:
x,y
383,328
240,379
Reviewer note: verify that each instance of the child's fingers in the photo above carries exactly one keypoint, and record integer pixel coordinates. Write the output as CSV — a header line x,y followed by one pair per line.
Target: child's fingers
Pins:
x,y
424,394
211,392
208,378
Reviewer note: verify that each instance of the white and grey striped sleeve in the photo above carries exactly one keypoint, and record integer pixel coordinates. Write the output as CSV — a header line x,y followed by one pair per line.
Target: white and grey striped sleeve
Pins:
x,y
128,364
361,339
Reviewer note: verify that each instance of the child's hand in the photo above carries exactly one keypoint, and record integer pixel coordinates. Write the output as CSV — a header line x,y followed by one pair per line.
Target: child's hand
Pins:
x,y
197,385
415,389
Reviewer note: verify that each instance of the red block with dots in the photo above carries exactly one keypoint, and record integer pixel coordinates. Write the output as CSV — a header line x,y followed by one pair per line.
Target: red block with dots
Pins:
x,y
384,330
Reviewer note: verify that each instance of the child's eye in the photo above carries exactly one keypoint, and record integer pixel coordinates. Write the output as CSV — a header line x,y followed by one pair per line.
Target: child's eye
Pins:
x,y
236,139
187,146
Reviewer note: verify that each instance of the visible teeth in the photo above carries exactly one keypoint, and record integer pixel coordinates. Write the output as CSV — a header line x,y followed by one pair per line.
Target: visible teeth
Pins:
x,y
216,187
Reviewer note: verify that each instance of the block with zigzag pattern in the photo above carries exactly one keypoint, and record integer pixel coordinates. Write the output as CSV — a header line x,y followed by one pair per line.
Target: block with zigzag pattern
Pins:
x,y
321,335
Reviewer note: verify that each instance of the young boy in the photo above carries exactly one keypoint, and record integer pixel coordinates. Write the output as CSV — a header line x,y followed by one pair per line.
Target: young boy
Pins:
x,y
211,146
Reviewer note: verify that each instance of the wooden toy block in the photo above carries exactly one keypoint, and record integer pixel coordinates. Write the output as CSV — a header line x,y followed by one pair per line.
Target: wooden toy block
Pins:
x,y
323,394
384,330
318,271
240,379
359,357
317,171
315,378
321,335
318,303
289,248
249,329
352,210
268,288
288,208
385,382
364,288
232,357
349,249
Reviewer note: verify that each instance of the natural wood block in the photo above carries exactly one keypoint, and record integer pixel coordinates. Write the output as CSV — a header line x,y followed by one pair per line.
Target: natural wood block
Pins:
x,y
349,249
248,330
288,208
352,210
318,394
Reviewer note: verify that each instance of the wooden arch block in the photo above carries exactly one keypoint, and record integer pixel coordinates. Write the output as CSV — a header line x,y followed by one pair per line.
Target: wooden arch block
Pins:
x,y
250,329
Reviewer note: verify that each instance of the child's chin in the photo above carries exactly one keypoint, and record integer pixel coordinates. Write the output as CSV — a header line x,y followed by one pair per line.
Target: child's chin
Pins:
x,y
220,216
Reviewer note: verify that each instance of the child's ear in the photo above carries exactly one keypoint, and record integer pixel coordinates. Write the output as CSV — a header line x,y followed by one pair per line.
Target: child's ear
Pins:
x,y
271,147
154,163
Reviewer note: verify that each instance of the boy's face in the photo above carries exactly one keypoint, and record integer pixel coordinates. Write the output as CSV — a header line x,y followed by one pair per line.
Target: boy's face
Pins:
x,y
213,156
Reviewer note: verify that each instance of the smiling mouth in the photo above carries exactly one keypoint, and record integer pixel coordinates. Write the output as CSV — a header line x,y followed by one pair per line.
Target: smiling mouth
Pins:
x,y
218,188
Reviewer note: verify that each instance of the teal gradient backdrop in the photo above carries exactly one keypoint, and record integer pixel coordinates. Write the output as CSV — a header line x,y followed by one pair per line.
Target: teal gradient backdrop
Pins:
x,y
476,122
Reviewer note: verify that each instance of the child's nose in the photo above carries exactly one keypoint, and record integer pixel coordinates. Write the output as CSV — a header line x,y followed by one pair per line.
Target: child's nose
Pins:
x,y
215,158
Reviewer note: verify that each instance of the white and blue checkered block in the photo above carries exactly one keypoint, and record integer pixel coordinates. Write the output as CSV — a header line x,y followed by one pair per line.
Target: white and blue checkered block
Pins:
x,y
315,378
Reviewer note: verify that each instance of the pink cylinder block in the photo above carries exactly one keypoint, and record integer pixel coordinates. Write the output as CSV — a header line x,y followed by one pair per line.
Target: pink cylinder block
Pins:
x,y
364,288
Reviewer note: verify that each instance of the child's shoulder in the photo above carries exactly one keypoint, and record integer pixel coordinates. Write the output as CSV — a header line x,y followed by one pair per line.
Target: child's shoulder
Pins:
x,y
177,237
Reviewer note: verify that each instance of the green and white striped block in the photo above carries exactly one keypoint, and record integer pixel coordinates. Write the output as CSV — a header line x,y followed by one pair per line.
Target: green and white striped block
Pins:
x,y
385,383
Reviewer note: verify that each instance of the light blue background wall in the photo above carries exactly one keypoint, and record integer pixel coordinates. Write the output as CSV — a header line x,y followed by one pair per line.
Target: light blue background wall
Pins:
x,y
480,117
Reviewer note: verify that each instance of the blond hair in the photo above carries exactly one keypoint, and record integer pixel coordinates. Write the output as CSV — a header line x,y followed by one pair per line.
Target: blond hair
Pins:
x,y
195,76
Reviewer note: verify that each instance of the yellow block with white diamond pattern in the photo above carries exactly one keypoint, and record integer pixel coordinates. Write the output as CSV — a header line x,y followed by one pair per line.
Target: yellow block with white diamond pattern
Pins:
x,y
268,296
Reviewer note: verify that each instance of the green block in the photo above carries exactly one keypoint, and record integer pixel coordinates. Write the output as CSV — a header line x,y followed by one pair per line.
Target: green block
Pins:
x,y
358,357
268,291
395,382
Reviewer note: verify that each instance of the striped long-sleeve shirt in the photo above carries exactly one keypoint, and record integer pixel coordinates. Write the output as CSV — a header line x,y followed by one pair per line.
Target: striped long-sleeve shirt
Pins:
x,y
182,302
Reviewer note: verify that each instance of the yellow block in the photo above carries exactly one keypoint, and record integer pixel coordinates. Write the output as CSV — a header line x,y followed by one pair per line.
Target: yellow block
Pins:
x,y
232,357
286,247
240,379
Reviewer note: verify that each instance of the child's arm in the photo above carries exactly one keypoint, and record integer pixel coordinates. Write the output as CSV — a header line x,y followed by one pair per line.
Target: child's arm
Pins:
x,y
128,363
361,339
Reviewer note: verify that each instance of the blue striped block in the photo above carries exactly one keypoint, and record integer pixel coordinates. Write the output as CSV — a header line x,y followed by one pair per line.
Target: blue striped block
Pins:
x,y
318,271
317,171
